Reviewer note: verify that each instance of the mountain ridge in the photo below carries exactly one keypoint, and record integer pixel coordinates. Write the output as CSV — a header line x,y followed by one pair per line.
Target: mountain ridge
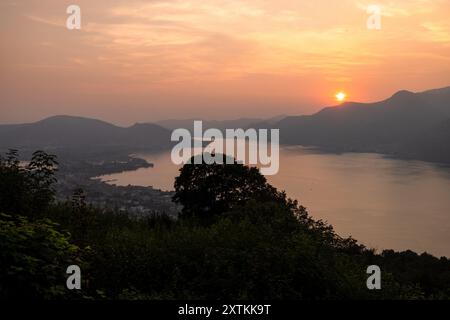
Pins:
x,y
394,126
63,131
407,124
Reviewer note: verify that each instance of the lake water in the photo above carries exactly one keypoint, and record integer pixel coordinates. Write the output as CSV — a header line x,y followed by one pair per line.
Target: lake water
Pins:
x,y
382,202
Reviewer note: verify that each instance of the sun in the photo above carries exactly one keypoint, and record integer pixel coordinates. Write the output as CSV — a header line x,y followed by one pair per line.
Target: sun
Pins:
x,y
340,96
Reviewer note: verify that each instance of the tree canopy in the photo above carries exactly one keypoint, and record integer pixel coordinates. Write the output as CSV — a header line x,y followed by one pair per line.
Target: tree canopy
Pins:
x,y
26,188
207,190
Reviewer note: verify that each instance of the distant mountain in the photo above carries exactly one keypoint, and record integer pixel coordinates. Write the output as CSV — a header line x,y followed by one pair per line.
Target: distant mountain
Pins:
x,y
218,124
76,133
407,125
410,125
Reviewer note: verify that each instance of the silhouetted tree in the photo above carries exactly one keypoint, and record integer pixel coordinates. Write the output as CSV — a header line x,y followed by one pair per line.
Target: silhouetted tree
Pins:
x,y
14,183
41,171
78,199
207,190
26,189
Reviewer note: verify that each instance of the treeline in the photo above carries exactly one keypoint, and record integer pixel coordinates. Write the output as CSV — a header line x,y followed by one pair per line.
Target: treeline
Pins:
x,y
237,237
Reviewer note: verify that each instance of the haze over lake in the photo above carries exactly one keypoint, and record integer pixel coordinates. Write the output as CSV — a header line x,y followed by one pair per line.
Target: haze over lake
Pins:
x,y
382,202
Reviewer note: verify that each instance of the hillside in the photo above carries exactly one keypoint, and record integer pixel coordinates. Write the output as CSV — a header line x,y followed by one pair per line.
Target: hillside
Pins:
x,y
410,125
76,133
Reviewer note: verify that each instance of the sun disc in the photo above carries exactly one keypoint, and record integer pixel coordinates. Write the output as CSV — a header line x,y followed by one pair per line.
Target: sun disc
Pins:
x,y
340,96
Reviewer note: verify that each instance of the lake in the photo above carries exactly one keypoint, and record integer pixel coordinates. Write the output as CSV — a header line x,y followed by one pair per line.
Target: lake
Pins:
x,y
384,203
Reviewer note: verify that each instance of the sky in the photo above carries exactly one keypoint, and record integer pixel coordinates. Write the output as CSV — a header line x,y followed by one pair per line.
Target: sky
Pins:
x,y
140,61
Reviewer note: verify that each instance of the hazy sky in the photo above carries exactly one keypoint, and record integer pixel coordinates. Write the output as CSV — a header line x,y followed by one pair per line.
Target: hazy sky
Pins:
x,y
148,60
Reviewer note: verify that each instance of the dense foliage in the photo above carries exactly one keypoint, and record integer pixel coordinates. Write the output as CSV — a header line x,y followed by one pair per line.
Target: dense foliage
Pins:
x,y
34,256
26,189
229,242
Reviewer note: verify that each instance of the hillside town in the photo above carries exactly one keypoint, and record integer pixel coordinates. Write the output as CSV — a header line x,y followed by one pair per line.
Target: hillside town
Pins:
x,y
139,201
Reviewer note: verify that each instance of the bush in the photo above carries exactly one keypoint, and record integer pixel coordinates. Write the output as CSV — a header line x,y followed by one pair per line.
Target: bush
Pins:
x,y
33,258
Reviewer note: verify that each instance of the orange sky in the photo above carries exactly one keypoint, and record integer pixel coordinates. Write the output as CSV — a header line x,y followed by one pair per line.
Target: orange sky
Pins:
x,y
148,60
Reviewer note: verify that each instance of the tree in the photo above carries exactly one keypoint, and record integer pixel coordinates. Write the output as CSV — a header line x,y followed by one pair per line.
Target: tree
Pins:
x,y
14,183
207,190
41,171
79,199
26,189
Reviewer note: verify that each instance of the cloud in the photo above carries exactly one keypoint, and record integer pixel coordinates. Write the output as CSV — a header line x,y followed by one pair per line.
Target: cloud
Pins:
x,y
437,32
54,22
